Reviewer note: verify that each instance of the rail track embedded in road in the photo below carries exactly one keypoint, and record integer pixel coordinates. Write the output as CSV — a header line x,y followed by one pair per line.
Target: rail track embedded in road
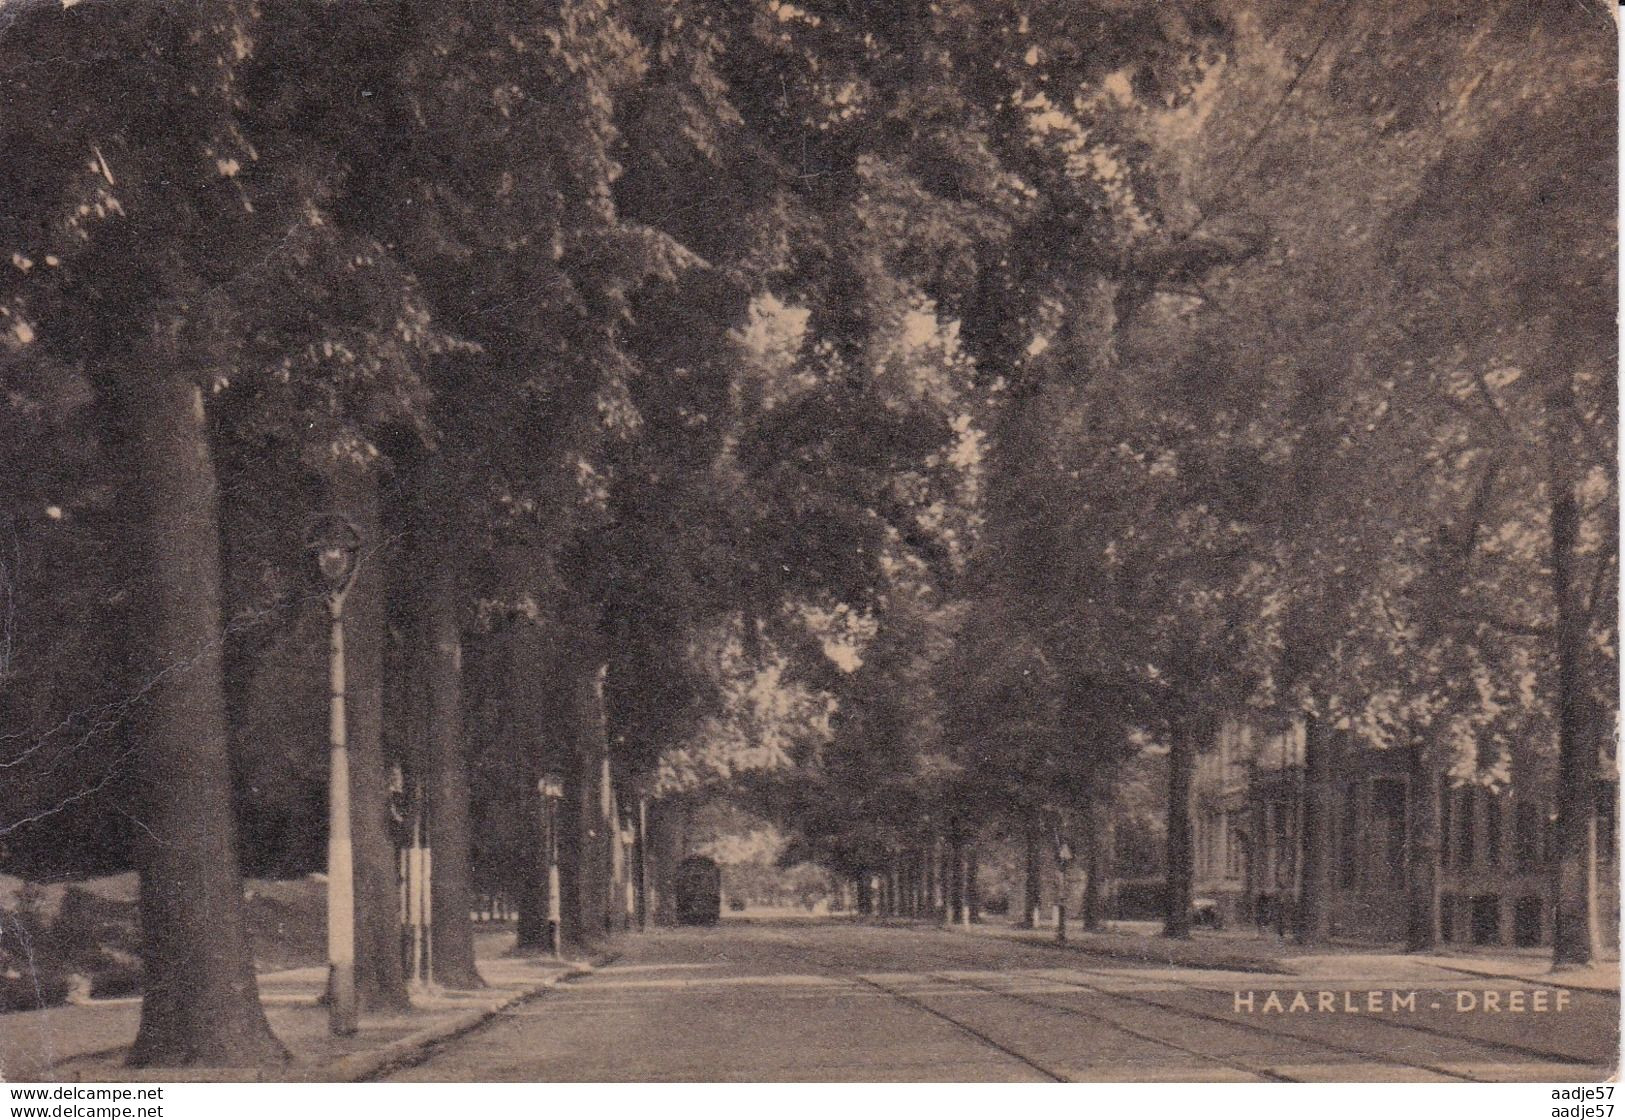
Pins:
x,y
1389,1058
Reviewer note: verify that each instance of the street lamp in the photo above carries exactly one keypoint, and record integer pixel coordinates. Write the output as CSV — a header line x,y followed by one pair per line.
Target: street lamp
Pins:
x,y
335,543
551,787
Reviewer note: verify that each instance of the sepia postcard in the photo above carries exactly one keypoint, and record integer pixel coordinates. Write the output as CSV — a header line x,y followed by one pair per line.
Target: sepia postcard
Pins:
x,y
757,541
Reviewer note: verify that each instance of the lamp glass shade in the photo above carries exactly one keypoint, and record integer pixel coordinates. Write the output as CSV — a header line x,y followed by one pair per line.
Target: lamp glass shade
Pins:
x,y
335,544
334,562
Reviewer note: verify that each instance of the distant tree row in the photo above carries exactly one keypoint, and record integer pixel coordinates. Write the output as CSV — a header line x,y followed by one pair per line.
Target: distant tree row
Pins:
x,y
1312,414
902,411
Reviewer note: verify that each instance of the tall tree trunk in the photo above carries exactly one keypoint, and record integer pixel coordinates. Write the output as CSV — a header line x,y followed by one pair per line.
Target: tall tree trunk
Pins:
x,y
531,930
1176,921
956,877
572,851
930,898
866,898
640,864
444,754
1094,856
548,711
593,869
380,980
517,655
667,842
1033,886
615,909
1424,873
1320,781
923,875
535,718
939,862
973,888
200,1006
1576,937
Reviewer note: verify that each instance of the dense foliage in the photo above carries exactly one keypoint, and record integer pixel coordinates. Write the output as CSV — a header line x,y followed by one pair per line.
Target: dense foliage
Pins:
x,y
906,415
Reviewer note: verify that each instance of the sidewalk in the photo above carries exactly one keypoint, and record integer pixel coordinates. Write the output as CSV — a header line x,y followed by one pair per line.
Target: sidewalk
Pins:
x,y
1244,951
86,1041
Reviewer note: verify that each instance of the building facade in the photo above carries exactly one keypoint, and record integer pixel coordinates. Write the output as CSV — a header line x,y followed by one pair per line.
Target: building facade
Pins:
x,y
1497,875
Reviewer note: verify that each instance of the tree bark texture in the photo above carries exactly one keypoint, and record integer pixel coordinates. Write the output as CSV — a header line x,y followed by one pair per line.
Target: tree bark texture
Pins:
x,y
973,888
667,843
1095,824
1177,898
527,724
441,752
640,864
200,1005
571,851
448,792
1320,787
1423,876
1576,937
593,893
549,717
933,878
1033,886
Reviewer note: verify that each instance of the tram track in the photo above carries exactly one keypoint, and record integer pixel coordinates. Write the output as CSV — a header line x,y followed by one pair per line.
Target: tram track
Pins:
x,y
1394,1024
1514,1048
853,973
960,1024
853,970
899,1005
1269,1073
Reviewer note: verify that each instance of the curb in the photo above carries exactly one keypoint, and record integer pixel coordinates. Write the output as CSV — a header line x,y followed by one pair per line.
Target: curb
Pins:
x,y
1544,979
1124,953
414,1048
1275,965
1284,966
371,1063
360,1066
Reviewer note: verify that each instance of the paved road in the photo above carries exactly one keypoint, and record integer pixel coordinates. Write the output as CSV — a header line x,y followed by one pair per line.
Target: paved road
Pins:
x,y
837,1001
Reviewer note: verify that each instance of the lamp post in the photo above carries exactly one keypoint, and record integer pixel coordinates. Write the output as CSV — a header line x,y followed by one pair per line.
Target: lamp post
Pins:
x,y
551,787
335,543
